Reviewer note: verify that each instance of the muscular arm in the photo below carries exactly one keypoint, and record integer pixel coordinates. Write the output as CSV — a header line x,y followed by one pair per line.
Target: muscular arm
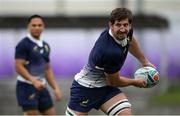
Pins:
x,y
20,69
50,78
135,50
120,81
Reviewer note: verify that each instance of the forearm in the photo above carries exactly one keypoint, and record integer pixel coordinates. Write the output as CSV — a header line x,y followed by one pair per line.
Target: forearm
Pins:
x,y
121,82
52,83
50,79
24,73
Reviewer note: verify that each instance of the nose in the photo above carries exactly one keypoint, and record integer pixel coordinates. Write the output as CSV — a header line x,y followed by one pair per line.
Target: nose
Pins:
x,y
122,29
37,27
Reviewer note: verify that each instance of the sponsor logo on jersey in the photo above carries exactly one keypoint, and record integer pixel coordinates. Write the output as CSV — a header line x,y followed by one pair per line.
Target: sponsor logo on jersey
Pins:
x,y
46,48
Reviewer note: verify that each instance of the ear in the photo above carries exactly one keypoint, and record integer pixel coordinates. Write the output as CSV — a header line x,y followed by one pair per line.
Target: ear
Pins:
x,y
28,28
110,24
43,26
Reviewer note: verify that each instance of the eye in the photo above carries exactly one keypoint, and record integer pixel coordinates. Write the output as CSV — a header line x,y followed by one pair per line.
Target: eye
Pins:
x,y
33,25
36,25
126,24
40,25
118,25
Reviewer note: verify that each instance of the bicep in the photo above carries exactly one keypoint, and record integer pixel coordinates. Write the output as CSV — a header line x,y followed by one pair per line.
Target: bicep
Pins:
x,y
48,66
137,52
48,69
134,47
19,63
132,43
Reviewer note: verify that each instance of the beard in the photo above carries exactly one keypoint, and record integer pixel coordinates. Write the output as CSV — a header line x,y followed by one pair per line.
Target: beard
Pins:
x,y
121,37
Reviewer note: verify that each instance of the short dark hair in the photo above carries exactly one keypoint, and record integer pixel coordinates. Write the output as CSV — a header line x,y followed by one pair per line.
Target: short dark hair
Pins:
x,y
120,14
34,16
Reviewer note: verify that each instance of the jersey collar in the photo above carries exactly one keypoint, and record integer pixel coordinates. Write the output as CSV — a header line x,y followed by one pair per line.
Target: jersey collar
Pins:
x,y
122,42
38,42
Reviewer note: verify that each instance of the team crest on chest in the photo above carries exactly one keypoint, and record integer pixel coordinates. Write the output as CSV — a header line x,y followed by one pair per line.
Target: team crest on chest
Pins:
x,y
128,39
46,48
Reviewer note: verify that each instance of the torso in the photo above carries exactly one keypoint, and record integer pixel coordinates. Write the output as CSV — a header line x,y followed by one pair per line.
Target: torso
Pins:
x,y
107,56
36,57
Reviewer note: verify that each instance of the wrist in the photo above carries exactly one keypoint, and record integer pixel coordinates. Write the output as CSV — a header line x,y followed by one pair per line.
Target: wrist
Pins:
x,y
144,62
134,81
148,64
32,80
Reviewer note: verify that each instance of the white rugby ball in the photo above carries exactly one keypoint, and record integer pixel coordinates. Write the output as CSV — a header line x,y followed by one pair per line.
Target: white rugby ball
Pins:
x,y
149,74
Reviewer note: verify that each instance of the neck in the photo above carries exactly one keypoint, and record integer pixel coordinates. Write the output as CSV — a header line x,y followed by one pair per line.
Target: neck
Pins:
x,y
36,37
122,42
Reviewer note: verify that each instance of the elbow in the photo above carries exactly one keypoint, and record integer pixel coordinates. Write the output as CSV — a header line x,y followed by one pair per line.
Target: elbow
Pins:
x,y
112,84
117,83
113,79
16,68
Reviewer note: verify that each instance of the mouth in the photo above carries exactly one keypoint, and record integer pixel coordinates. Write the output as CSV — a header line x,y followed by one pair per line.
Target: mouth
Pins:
x,y
37,33
121,38
122,35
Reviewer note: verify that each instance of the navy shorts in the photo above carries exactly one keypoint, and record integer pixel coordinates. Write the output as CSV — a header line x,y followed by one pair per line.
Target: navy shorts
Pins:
x,y
84,99
30,98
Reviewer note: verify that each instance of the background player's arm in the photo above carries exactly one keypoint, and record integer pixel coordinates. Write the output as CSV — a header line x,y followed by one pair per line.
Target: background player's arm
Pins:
x,y
119,81
50,78
135,50
20,69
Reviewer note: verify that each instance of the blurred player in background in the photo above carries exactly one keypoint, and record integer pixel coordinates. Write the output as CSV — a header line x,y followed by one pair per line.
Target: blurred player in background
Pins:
x,y
33,66
96,86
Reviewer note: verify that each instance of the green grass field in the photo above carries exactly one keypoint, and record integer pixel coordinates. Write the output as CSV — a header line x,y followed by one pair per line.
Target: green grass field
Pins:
x,y
170,98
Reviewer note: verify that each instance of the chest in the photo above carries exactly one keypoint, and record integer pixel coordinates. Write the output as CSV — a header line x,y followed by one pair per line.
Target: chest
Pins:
x,y
117,52
36,52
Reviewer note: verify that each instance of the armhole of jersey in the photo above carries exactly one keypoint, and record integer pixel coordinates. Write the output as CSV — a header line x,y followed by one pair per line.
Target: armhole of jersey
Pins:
x,y
47,49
